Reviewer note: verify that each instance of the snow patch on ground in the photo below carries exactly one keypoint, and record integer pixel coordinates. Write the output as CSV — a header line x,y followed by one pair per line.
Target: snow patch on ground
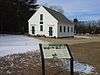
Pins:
x,y
84,37
13,44
81,68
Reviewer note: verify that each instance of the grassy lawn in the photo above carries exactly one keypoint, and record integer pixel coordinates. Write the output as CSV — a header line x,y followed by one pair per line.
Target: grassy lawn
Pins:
x,y
69,41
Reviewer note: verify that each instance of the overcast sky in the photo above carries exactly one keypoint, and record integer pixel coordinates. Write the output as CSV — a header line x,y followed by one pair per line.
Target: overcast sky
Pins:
x,y
81,9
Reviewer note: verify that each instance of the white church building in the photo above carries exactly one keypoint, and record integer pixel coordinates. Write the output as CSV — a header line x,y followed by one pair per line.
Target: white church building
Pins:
x,y
50,23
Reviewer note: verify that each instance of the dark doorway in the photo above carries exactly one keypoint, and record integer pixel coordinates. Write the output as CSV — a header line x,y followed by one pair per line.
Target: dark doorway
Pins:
x,y
50,31
33,30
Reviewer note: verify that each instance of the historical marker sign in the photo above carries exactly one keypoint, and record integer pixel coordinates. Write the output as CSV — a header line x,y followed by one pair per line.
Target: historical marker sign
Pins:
x,y
49,51
55,51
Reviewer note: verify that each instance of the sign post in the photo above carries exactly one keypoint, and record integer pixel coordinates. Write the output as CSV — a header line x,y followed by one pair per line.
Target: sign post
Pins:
x,y
71,62
42,59
59,51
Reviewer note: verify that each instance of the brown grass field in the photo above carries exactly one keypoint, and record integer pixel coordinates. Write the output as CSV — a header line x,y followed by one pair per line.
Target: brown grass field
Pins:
x,y
84,50
87,53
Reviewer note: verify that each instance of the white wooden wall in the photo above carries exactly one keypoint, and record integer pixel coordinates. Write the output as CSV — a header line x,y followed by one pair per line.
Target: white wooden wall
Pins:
x,y
66,33
48,21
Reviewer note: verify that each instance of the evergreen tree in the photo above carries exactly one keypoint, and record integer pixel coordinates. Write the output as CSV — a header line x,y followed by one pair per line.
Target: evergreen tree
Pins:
x,y
15,14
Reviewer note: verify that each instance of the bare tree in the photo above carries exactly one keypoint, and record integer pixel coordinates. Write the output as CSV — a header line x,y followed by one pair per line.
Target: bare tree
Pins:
x,y
57,8
98,23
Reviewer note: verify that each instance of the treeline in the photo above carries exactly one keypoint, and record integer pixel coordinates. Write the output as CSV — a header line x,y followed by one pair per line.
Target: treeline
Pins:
x,y
14,15
83,27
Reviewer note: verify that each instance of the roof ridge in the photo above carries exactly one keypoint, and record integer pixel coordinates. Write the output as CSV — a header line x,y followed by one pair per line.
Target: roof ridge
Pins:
x,y
52,9
59,16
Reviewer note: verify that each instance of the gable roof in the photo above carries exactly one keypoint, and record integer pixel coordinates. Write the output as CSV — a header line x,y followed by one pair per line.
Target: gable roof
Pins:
x,y
59,16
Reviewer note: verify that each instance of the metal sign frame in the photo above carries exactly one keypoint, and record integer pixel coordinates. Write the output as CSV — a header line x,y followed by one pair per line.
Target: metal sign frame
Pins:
x,y
43,60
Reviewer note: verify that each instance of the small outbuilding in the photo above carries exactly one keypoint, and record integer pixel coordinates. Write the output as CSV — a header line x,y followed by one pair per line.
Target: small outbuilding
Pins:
x,y
50,23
